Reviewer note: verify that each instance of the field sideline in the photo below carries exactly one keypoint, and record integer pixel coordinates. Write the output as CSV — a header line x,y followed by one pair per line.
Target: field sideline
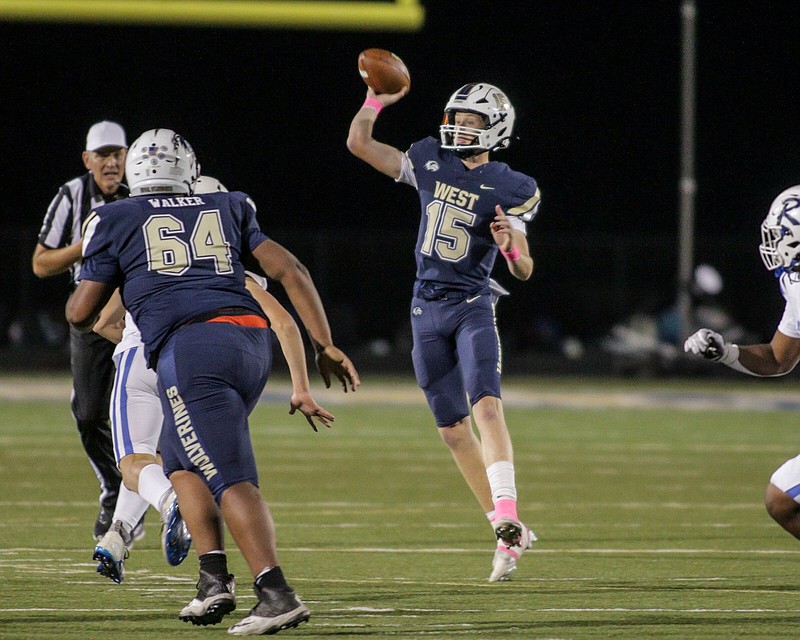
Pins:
x,y
647,498
518,392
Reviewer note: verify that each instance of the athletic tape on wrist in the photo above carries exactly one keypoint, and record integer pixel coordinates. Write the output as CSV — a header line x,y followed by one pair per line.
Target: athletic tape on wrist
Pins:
x,y
372,103
513,255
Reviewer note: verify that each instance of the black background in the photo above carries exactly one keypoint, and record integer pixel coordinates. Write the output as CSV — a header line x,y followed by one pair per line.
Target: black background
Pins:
x,y
596,88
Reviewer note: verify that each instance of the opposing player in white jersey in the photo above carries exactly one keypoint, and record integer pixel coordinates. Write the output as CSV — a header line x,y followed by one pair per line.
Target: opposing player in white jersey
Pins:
x,y
136,419
780,251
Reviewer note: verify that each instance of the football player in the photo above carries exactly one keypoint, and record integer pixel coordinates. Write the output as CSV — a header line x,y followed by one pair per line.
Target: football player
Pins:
x,y
177,259
780,251
136,419
471,209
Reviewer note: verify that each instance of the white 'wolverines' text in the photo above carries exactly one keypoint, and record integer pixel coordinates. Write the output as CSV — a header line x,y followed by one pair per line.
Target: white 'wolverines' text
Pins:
x,y
191,446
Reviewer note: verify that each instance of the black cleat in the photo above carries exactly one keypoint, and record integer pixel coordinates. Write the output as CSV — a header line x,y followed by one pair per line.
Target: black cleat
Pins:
x,y
277,609
216,598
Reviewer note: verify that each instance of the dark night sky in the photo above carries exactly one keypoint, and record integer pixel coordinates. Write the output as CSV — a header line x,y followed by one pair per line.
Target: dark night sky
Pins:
x,y
596,87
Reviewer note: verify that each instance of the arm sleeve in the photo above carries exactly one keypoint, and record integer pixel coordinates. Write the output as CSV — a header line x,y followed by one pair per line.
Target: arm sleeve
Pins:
x,y
407,174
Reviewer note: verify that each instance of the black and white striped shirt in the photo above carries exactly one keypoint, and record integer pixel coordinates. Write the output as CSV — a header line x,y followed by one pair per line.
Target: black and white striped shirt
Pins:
x,y
68,211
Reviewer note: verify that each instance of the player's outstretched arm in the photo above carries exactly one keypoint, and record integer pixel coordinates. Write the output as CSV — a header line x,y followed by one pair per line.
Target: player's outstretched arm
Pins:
x,y
279,264
513,245
383,157
291,342
776,358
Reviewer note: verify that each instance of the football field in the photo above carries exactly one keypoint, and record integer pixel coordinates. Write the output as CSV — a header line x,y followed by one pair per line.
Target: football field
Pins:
x,y
647,499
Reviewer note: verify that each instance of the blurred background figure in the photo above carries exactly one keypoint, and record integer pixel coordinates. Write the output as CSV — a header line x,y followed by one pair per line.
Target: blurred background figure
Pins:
x,y
648,341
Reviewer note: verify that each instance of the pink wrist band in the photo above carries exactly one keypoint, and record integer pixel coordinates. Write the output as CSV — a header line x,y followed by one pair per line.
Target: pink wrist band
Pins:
x,y
372,103
513,255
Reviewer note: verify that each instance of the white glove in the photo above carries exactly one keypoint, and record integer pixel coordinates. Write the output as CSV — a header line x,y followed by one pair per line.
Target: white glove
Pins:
x,y
711,345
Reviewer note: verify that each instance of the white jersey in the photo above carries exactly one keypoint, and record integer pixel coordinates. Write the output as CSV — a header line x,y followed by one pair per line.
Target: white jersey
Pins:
x,y
790,289
787,476
131,337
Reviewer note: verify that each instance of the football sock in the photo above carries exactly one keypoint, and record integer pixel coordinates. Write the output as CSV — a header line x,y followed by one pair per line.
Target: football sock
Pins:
x,y
501,481
506,510
272,578
130,508
153,484
215,563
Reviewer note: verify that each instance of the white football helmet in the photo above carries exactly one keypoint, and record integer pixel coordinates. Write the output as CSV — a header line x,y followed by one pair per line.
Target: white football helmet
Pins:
x,y
207,184
780,232
498,116
161,161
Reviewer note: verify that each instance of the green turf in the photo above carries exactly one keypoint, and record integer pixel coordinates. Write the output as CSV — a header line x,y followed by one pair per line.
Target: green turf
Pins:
x,y
651,525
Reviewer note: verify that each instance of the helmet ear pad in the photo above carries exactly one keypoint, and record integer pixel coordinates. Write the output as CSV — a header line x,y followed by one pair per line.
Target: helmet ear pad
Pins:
x,y
161,161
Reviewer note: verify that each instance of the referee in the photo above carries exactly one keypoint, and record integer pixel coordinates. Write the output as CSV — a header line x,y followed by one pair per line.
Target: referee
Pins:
x,y
59,250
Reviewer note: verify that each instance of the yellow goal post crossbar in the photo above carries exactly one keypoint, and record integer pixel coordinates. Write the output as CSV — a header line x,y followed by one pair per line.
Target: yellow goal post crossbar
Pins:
x,y
368,15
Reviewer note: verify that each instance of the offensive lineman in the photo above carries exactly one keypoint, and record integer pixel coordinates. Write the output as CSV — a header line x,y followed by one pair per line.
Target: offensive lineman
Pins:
x,y
471,210
177,259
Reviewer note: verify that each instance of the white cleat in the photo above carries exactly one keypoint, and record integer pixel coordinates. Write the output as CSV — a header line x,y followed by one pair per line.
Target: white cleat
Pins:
x,y
505,557
111,553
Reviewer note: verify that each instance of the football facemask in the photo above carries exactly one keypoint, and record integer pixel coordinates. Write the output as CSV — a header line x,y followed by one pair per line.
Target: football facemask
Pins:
x,y
780,232
161,161
492,105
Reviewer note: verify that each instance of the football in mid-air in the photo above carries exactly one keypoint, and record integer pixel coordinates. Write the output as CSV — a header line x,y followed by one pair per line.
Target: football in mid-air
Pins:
x,y
383,71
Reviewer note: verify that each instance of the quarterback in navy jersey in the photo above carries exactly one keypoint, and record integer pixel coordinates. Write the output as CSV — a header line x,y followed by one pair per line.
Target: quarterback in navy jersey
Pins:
x,y
176,258
780,252
471,209
455,199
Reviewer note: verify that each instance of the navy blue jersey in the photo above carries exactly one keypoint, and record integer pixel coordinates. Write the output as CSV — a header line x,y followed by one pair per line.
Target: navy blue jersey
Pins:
x,y
455,249
173,257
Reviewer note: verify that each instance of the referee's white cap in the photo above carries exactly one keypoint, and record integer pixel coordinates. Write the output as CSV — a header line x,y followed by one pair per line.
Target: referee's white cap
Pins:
x,y
105,134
